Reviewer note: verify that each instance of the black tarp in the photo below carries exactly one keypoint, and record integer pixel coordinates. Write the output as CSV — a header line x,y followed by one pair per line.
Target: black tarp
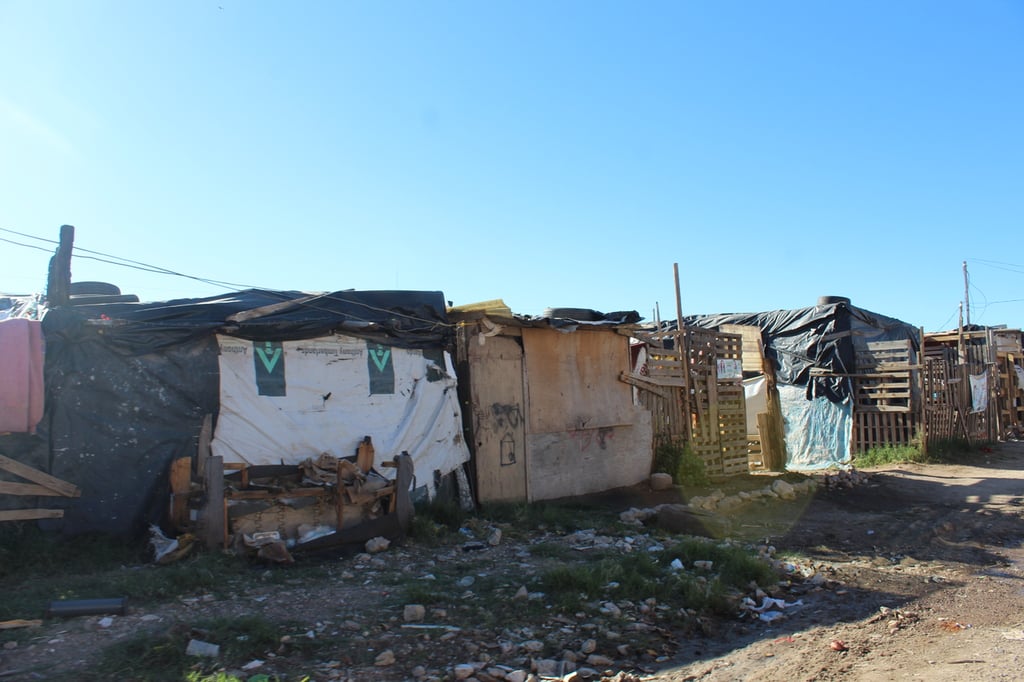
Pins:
x,y
822,336
128,384
406,319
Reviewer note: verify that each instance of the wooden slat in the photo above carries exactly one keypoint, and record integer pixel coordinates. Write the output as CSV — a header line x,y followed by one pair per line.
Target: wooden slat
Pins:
x,y
30,514
18,469
11,488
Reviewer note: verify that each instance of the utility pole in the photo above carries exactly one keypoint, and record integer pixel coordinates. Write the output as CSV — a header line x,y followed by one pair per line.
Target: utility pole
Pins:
x,y
58,282
967,296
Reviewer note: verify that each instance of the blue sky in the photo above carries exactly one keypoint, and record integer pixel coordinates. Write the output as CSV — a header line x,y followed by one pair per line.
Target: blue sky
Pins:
x,y
546,153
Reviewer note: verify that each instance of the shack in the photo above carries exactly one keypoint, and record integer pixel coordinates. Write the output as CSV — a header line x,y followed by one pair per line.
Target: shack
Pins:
x,y
280,376
548,413
848,379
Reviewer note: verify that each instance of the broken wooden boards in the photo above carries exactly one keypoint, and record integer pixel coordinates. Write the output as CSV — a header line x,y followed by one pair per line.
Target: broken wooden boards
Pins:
x,y
43,485
320,502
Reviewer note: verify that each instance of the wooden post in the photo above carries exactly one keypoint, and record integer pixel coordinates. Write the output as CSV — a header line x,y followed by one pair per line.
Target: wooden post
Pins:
x,y
58,283
921,387
181,484
203,448
684,355
214,521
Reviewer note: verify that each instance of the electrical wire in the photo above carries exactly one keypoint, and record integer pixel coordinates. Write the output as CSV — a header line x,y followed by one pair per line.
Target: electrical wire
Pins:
x,y
156,269
27,246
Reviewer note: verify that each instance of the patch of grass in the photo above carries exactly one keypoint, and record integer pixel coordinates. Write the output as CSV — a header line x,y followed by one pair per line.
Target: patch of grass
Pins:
x,y
956,450
422,592
38,568
888,454
551,550
160,657
546,516
946,451
681,463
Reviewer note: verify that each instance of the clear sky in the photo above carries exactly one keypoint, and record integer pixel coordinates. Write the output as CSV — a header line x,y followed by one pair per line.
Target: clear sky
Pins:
x,y
550,153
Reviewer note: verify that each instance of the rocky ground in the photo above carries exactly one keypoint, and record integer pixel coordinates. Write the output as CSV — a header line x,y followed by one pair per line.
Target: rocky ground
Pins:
x,y
912,572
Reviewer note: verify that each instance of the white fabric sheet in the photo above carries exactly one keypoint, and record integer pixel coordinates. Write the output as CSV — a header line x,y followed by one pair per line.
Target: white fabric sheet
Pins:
x,y
328,406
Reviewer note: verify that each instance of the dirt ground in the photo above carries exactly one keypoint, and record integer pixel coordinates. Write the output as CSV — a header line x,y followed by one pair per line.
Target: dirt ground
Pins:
x,y
938,546
920,575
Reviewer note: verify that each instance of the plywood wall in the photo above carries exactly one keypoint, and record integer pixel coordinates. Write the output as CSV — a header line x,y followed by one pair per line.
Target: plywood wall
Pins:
x,y
499,417
585,435
573,380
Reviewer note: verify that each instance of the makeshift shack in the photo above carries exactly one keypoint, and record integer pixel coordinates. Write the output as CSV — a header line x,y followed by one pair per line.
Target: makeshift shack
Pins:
x,y
848,379
549,416
286,376
974,383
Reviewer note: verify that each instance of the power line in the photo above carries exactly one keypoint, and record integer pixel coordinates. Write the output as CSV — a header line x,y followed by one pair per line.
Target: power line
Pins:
x,y
27,246
156,269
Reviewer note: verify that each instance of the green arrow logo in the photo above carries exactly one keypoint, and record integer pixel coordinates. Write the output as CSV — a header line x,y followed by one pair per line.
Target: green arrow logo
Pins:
x,y
271,361
380,357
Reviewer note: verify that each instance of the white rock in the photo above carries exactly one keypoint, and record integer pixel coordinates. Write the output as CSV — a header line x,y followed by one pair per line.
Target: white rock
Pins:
x,y
198,647
598,660
521,593
533,645
546,667
783,489
494,539
413,613
661,481
464,670
385,658
377,544
106,622
516,676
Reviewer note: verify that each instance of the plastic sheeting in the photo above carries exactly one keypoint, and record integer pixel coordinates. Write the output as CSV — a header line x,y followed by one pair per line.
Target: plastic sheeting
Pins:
x,y
410,319
327,393
755,395
818,431
821,336
128,385
114,422
979,392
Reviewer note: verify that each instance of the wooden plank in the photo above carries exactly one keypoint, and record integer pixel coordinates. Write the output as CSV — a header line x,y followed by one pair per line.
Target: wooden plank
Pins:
x,y
18,469
30,514
203,448
181,486
271,309
213,515
643,383
365,455
11,488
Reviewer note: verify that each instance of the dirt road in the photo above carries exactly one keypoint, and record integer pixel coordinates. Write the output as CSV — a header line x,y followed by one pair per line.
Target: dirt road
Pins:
x,y
918,573
929,583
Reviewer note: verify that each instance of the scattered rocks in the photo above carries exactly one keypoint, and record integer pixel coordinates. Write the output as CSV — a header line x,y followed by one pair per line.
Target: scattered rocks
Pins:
x,y
845,479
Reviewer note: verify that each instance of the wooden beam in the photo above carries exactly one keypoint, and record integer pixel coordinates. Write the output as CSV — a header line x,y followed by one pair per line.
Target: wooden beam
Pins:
x,y
181,485
270,309
30,514
18,469
11,488
214,523
203,448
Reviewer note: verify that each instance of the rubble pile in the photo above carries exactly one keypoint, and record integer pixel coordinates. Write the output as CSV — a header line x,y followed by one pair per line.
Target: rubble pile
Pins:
x,y
845,479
